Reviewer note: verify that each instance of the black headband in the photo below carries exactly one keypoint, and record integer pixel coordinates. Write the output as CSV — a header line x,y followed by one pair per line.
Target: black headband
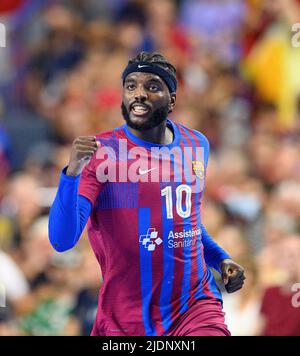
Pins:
x,y
147,67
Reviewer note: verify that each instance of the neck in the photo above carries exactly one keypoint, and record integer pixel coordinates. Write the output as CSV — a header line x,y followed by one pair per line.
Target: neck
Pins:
x,y
160,134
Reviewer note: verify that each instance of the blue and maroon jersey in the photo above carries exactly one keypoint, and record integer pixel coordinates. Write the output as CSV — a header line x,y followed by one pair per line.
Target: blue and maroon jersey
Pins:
x,y
145,230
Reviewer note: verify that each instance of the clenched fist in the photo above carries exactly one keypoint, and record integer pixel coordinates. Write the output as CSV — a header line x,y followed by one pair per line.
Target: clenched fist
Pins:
x,y
233,275
83,149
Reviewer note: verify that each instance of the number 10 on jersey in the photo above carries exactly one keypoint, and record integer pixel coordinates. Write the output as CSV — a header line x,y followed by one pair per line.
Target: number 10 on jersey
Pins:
x,y
181,211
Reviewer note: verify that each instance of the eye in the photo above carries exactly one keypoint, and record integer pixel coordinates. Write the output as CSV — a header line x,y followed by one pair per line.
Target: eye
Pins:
x,y
130,87
153,87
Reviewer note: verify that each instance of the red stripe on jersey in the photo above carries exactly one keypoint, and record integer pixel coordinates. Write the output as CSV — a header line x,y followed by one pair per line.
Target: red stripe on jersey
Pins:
x,y
205,285
194,278
158,262
113,314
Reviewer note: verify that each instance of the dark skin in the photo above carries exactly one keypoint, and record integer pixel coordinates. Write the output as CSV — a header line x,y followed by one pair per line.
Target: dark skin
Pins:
x,y
149,93
233,275
149,90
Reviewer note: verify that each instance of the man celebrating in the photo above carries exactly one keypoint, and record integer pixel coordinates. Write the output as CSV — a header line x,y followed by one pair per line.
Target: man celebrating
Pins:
x,y
141,193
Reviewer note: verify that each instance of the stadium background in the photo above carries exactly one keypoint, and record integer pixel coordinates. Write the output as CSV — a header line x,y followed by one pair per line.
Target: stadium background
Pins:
x,y
239,84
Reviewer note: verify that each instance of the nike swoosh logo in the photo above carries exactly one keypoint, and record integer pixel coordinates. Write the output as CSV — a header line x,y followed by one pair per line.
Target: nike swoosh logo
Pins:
x,y
141,171
139,66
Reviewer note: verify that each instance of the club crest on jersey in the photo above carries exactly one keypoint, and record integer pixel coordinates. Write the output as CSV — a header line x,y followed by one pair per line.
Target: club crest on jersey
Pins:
x,y
198,169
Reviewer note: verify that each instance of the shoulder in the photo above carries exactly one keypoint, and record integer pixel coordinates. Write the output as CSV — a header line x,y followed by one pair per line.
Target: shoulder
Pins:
x,y
112,134
111,138
203,139
109,144
195,134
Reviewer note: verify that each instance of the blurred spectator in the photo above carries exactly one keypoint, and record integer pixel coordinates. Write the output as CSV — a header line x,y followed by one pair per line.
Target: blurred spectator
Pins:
x,y
232,240
217,24
21,204
12,279
269,62
281,317
87,297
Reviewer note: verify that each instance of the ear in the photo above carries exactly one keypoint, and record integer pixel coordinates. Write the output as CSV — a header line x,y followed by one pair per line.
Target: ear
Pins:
x,y
172,102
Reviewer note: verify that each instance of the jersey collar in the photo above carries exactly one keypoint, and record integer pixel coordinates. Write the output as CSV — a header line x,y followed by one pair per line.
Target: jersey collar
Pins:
x,y
148,144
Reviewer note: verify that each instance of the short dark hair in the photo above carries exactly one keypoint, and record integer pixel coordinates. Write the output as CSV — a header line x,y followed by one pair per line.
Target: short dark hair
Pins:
x,y
156,58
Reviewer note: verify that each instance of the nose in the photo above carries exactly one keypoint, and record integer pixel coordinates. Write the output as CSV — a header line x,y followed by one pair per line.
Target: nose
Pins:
x,y
140,94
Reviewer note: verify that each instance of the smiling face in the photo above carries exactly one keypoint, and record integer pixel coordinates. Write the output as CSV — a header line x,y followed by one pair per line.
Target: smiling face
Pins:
x,y
146,100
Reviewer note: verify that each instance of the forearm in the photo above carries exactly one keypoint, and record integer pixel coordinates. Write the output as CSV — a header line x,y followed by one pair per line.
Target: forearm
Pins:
x,y
68,214
213,253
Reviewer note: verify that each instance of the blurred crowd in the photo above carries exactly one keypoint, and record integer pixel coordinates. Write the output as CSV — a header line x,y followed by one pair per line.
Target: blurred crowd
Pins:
x,y
239,84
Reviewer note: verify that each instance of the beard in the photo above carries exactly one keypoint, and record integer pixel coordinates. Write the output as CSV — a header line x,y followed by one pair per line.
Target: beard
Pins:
x,y
158,116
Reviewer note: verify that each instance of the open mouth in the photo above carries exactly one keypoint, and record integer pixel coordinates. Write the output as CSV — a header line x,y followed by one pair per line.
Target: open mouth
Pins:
x,y
140,109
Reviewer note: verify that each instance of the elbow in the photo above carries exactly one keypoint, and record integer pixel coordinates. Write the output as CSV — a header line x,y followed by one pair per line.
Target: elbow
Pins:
x,y
58,244
59,248
60,236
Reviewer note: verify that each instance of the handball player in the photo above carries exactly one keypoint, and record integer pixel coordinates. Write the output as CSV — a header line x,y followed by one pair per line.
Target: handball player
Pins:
x,y
141,206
